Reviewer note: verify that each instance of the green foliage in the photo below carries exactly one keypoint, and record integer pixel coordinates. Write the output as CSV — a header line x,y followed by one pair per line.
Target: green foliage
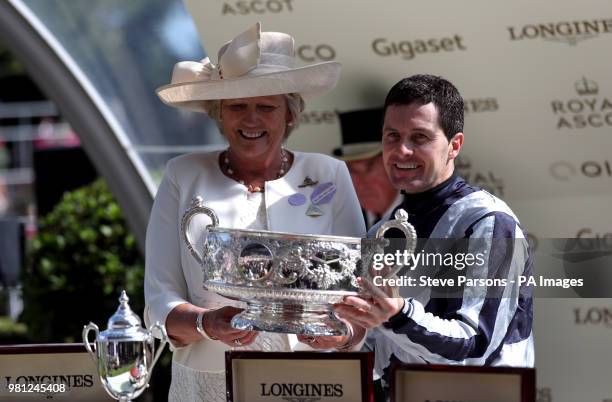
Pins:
x,y
82,258
11,332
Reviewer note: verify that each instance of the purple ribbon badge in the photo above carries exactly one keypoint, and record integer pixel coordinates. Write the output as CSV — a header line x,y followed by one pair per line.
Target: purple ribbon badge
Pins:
x,y
323,193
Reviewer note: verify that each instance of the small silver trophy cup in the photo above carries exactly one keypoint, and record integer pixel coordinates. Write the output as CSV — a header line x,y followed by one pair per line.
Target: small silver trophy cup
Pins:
x,y
125,352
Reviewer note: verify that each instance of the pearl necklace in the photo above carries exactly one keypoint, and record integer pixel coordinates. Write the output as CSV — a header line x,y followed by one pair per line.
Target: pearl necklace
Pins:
x,y
251,188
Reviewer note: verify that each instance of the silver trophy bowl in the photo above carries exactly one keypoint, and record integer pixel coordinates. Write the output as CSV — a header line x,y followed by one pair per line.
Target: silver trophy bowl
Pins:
x,y
125,352
288,281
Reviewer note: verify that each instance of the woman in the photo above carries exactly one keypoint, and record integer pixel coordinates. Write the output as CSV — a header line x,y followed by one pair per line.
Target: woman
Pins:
x,y
255,96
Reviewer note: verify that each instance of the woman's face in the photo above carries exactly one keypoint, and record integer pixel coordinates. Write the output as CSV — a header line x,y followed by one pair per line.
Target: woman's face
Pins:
x,y
255,127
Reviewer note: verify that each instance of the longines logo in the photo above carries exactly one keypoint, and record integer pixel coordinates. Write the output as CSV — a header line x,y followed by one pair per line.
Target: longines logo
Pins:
x,y
409,49
483,179
593,316
319,117
71,381
587,110
570,32
565,170
47,386
298,392
256,7
320,52
480,105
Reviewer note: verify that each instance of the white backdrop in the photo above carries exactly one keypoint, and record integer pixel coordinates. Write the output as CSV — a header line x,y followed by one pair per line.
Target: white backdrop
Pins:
x,y
537,79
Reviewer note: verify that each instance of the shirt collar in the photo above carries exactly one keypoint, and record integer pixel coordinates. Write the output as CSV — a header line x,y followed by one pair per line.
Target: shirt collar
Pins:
x,y
428,199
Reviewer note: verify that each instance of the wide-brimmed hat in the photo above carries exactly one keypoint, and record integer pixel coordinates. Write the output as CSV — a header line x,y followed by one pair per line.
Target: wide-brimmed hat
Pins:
x,y
254,63
361,134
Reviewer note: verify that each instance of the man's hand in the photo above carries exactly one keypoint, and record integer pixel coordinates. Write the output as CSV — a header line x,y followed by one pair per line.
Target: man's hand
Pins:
x,y
372,310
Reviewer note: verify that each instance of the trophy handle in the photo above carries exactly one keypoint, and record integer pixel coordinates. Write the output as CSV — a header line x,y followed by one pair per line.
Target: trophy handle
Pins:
x,y
89,327
160,348
401,223
197,207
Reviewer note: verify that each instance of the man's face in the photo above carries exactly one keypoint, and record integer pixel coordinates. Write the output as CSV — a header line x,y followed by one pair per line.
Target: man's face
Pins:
x,y
416,153
372,186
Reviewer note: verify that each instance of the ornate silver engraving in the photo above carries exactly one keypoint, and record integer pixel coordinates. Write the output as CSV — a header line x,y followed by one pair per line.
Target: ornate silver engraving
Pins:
x,y
289,281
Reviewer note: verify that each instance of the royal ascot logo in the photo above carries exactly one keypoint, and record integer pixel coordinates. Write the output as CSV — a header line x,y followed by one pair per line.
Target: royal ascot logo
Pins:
x,y
570,32
256,7
480,105
320,52
301,392
586,110
566,171
319,117
486,180
409,49
598,316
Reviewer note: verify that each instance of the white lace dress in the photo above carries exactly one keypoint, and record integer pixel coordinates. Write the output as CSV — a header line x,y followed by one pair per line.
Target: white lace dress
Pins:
x,y
192,385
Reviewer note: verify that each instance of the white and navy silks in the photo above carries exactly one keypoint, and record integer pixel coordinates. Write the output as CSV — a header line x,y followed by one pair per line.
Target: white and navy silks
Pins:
x,y
477,325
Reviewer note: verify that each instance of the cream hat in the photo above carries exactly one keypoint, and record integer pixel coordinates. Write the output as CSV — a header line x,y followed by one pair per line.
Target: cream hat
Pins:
x,y
254,63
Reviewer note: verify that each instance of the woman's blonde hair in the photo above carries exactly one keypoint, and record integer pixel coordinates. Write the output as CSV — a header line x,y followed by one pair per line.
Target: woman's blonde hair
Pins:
x,y
295,105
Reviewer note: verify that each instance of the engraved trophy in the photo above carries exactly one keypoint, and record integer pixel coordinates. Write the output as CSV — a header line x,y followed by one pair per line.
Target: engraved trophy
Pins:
x,y
289,281
124,352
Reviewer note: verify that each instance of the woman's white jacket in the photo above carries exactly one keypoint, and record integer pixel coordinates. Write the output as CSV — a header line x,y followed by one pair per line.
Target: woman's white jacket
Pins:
x,y
173,276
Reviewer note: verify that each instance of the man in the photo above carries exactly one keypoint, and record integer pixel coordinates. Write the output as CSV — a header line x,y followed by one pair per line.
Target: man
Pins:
x,y
465,325
362,152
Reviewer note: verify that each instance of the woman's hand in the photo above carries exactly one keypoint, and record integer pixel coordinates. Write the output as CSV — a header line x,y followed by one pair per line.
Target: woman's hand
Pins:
x,y
373,310
217,326
181,326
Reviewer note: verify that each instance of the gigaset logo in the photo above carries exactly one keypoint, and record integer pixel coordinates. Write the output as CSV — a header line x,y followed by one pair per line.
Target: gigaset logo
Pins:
x,y
409,49
310,53
570,32
587,240
584,111
256,7
564,170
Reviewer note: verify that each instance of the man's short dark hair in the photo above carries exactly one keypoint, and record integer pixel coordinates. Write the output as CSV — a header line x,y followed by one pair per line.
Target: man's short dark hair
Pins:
x,y
423,89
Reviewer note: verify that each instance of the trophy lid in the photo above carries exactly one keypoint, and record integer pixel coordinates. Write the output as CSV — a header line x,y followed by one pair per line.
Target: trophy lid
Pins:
x,y
124,323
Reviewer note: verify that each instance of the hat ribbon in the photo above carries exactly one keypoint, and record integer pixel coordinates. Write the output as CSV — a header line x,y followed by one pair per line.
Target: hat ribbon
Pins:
x,y
208,70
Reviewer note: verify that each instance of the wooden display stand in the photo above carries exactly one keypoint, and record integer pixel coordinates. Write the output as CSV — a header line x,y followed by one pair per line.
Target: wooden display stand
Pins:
x,y
61,372
423,382
271,376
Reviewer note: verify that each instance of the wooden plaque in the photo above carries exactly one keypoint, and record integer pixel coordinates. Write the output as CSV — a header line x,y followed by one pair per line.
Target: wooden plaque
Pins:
x,y
299,376
58,372
422,382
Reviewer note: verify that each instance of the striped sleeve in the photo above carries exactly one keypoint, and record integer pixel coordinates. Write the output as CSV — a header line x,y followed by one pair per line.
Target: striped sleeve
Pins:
x,y
472,325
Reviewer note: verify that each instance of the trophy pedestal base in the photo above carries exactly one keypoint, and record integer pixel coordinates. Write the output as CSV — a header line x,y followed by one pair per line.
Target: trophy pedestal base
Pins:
x,y
312,320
